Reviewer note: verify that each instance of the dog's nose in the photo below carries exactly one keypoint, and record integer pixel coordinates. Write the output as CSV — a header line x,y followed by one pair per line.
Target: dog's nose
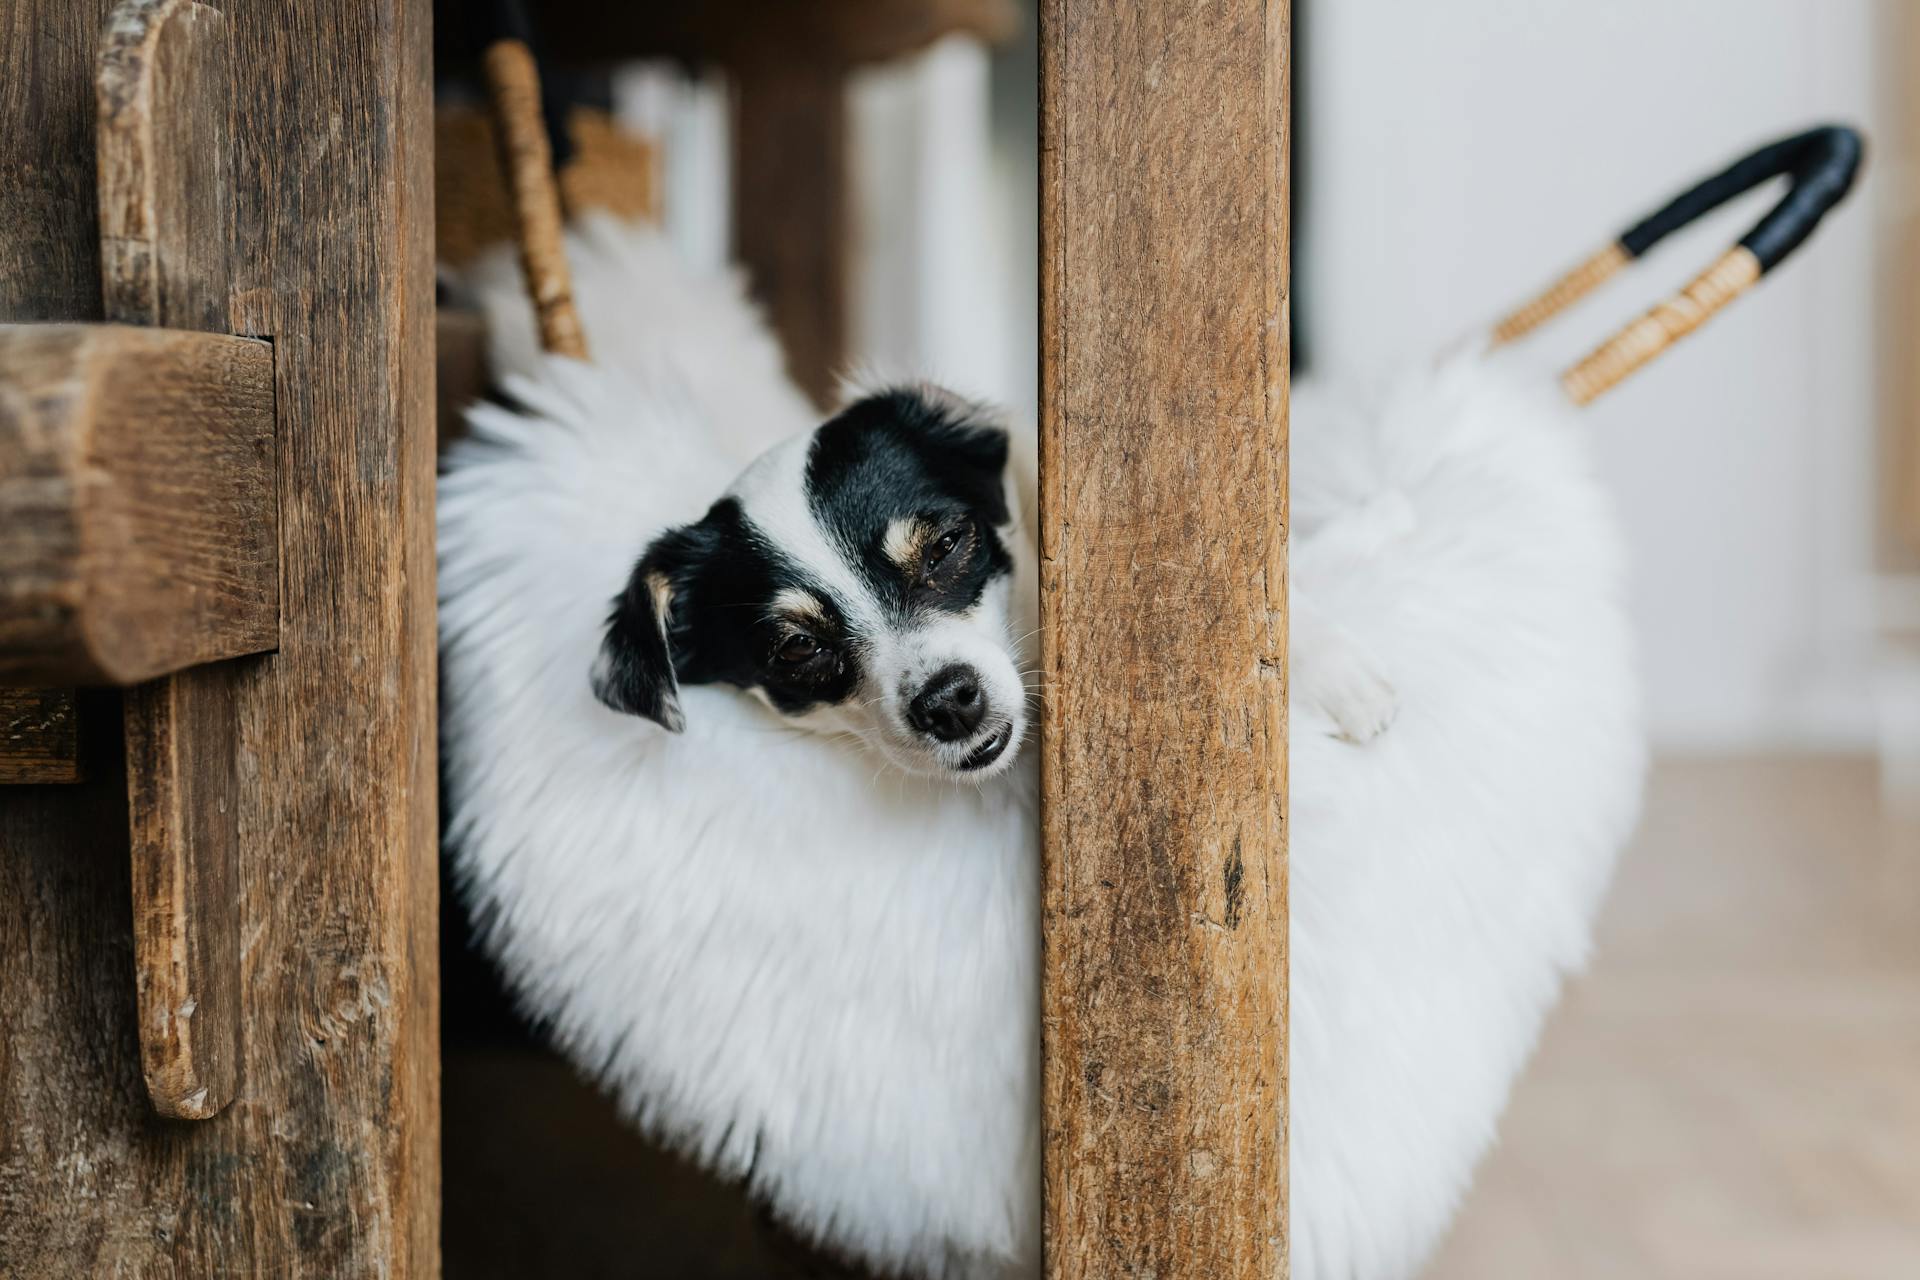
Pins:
x,y
950,705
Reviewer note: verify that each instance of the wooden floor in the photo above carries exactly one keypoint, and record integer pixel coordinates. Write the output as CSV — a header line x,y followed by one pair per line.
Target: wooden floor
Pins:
x,y
1734,1090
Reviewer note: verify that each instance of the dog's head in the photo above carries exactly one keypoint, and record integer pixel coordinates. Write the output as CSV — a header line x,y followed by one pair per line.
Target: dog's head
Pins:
x,y
857,579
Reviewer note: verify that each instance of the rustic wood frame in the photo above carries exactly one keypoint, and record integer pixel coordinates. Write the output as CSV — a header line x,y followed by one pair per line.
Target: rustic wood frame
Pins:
x,y
1163,479
326,1163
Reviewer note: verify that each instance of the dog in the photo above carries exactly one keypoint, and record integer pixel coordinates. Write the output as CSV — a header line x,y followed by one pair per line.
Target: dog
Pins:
x,y
859,580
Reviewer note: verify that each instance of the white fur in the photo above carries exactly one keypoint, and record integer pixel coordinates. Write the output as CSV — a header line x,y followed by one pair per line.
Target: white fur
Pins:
x,y
817,973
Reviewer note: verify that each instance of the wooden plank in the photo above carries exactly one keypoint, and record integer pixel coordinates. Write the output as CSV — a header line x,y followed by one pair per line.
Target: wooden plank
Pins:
x,y
49,257
137,526
790,184
1163,538
165,92
183,810
327,1162
39,737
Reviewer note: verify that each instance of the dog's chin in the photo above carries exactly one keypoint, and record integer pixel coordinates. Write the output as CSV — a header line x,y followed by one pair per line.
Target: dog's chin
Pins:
x,y
978,760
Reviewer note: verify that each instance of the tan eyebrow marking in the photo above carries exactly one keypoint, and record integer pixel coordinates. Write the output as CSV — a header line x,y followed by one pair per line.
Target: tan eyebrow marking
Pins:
x,y
902,543
792,602
662,592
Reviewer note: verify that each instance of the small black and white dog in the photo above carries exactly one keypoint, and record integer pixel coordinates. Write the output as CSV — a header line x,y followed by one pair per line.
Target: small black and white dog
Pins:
x,y
857,579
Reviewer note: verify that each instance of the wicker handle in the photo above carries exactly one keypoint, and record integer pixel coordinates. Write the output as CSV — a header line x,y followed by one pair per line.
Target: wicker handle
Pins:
x,y
1819,165
526,163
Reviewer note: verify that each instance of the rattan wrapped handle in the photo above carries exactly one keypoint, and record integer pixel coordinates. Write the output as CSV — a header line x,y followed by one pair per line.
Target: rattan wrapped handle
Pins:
x,y
1820,166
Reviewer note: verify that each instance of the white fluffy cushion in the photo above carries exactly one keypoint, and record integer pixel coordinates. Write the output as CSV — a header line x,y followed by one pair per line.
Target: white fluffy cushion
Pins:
x,y
1445,876
811,973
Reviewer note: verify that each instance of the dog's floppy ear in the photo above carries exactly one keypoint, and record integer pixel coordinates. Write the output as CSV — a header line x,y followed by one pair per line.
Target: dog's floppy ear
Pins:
x,y
634,672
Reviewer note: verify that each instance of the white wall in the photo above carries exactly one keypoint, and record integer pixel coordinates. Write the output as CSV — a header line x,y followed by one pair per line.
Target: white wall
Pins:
x,y
1461,153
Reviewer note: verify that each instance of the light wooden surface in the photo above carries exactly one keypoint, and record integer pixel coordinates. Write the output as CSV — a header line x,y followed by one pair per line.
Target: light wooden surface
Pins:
x,y
1163,544
1733,1093
327,1162
137,513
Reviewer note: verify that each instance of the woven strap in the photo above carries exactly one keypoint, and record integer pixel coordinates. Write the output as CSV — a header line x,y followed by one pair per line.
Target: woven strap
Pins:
x,y
1819,165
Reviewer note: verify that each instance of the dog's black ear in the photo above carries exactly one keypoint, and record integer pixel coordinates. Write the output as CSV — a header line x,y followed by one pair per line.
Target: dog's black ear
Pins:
x,y
634,672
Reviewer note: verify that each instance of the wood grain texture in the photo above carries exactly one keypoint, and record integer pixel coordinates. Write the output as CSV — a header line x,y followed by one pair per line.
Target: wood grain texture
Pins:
x,y
49,256
790,190
39,737
137,508
326,1164
1163,540
165,94
183,811
164,161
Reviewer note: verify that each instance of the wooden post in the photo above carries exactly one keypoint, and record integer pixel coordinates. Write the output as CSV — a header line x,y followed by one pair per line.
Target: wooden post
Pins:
x,y
1163,538
327,1162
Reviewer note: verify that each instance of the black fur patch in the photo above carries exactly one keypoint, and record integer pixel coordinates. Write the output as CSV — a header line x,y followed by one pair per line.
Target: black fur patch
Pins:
x,y
899,455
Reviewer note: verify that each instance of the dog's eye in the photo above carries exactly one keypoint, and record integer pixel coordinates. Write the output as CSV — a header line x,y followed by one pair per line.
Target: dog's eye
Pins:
x,y
942,547
798,648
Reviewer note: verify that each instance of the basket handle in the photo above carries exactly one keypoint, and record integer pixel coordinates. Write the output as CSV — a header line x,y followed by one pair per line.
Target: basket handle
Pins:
x,y
1819,165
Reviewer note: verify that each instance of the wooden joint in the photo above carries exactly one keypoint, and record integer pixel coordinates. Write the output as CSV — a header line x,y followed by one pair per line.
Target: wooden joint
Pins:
x,y
139,530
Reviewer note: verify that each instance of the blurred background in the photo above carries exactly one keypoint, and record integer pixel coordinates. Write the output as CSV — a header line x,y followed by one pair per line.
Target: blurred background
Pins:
x,y
1734,1090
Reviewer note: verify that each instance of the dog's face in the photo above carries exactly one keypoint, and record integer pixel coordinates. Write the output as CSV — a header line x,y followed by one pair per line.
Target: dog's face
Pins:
x,y
857,579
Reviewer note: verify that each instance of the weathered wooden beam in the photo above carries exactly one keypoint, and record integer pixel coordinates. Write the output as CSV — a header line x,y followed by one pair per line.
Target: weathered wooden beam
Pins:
x,y
1163,542
328,1162
137,525
165,94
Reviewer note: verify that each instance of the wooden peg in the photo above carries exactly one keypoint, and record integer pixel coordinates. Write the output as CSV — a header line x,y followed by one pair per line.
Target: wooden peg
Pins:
x,y
165,101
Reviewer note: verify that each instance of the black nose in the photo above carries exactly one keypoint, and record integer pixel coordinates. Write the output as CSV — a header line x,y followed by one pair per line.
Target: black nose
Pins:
x,y
949,705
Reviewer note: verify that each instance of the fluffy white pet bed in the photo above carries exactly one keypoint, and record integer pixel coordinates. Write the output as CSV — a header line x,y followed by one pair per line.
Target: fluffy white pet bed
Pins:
x,y
799,968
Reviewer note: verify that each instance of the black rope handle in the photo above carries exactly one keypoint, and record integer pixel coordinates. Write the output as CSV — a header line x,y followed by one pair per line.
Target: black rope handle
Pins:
x,y
1820,166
